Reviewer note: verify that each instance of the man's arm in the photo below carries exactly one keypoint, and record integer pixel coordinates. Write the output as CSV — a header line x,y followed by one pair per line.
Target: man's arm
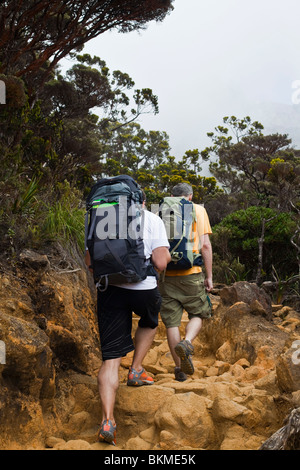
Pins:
x,y
161,257
87,260
206,251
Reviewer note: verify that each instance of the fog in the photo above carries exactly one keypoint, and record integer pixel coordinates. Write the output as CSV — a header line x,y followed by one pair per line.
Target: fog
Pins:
x,y
210,59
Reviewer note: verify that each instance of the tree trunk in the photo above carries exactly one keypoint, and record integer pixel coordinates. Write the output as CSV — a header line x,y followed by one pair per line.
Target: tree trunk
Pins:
x,y
261,241
260,252
287,437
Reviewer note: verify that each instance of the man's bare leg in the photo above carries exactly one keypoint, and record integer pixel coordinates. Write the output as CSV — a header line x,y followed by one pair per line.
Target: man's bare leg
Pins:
x,y
173,334
143,340
108,383
193,328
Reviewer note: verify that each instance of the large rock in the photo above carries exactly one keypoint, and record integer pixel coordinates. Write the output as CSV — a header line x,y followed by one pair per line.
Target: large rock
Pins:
x,y
27,382
184,420
15,299
136,407
236,437
34,261
67,348
28,355
288,368
234,333
258,300
227,409
48,326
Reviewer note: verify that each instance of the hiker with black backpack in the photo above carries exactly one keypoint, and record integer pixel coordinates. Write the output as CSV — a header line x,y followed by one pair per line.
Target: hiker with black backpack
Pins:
x,y
126,248
183,285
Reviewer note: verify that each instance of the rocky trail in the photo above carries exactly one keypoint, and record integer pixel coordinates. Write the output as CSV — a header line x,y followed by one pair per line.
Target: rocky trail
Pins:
x,y
246,381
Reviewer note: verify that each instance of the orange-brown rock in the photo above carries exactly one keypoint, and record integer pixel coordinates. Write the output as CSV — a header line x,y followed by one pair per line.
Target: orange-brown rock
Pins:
x,y
246,362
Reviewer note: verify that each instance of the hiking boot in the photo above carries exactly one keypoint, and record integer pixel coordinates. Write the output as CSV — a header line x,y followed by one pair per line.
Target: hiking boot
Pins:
x,y
107,432
179,375
185,350
136,379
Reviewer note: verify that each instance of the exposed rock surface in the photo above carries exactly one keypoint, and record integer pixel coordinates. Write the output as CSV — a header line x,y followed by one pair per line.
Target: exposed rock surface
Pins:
x,y
246,381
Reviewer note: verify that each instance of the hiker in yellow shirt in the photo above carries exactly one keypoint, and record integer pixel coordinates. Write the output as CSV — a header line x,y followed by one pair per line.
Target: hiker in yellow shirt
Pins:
x,y
186,289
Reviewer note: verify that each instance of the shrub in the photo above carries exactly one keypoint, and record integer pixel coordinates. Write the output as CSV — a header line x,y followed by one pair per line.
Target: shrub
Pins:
x,y
236,238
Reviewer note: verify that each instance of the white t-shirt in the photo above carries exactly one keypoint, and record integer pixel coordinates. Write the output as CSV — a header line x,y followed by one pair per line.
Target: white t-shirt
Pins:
x,y
154,236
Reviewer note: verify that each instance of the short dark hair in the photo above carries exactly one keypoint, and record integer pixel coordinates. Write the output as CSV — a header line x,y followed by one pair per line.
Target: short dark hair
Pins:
x,y
182,189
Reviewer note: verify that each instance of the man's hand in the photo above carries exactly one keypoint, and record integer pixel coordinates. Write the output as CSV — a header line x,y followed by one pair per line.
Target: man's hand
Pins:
x,y
208,284
87,260
206,251
160,258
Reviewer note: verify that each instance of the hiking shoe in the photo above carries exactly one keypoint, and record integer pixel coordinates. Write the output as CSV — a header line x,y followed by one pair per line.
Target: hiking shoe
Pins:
x,y
107,432
179,375
184,350
137,379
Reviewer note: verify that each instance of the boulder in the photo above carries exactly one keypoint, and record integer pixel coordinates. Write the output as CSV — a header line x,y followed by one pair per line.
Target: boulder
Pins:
x,y
66,347
136,407
74,444
227,409
288,368
184,420
237,438
15,300
259,301
36,262
53,441
234,333
28,355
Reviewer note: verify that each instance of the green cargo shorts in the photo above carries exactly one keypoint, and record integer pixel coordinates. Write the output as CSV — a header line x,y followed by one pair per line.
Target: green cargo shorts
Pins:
x,y
181,293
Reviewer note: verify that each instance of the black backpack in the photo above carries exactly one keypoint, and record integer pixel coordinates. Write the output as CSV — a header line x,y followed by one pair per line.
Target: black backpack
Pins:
x,y
179,217
113,232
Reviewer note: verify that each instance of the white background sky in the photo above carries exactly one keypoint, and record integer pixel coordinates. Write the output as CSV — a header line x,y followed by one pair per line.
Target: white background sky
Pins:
x,y
210,59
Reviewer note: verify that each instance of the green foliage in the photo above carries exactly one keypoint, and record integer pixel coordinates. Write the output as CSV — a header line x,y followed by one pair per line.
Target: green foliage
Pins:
x,y
236,237
24,200
64,219
285,287
226,272
32,217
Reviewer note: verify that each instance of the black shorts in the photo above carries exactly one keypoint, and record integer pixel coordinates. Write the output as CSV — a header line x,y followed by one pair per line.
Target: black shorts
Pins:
x,y
114,309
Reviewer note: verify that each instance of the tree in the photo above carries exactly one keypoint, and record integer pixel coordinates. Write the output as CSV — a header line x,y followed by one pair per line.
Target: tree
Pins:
x,y
146,157
283,180
36,34
248,163
133,148
59,136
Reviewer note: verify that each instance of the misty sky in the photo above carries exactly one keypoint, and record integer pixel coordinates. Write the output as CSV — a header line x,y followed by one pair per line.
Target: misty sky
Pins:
x,y
210,59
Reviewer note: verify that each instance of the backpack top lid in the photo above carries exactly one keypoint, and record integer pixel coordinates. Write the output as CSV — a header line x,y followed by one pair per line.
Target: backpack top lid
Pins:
x,y
134,189
176,211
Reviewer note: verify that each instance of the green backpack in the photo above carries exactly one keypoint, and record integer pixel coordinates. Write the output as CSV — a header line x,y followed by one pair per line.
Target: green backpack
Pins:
x,y
180,220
